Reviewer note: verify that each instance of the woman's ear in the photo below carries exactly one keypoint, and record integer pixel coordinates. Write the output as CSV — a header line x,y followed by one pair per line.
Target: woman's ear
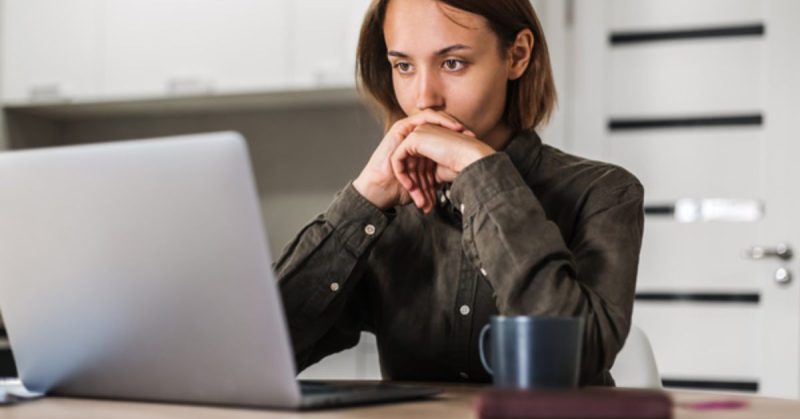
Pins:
x,y
519,54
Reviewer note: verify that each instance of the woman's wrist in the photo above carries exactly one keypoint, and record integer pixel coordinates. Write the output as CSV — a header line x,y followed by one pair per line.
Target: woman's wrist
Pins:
x,y
484,150
374,194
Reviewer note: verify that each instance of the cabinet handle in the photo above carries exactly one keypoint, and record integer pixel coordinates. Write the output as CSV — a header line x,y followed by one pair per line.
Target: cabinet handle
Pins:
x,y
47,92
189,85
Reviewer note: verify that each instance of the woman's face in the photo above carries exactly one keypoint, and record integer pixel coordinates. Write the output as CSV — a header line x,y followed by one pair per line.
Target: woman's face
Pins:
x,y
442,65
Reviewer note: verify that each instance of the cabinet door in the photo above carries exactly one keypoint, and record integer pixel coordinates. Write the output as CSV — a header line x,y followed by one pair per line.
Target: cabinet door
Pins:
x,y
157,47
324,36
50,49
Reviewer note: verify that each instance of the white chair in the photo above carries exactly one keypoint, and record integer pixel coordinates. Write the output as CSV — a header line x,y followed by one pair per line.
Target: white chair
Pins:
x,y
636,366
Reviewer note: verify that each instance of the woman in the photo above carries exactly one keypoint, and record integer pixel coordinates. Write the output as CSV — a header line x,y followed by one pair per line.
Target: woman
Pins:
x,y
500,223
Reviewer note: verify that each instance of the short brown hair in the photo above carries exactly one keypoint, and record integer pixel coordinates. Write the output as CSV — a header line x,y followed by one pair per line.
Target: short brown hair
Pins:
x,y
530,99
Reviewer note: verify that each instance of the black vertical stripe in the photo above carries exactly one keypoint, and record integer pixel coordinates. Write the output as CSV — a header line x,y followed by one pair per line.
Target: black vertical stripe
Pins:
x,y
711,384
623,38
699,297
667,210
619,124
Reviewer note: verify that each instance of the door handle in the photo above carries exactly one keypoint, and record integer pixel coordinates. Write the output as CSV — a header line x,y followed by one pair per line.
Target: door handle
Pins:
x,y
783,276
781,251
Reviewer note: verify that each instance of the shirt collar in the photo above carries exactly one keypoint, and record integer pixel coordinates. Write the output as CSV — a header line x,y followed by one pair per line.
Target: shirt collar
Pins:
x,y
524,148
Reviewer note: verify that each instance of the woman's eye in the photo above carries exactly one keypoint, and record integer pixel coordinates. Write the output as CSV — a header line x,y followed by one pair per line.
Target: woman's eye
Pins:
x,y
402,67
453,64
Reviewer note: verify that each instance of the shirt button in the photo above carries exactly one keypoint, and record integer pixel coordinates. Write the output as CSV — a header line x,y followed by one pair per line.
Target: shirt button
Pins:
x,y
463,375
483,272
464,310
334,286
369,229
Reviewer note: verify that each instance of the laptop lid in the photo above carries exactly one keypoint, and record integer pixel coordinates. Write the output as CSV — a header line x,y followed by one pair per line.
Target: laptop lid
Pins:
x,y
141,270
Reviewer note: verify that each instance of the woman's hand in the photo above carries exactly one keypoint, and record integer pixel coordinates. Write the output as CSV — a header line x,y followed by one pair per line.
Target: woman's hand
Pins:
x,y
377,181
451,151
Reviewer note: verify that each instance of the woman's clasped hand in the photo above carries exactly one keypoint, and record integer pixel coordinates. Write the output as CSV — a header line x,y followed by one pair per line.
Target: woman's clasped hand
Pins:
x,y
417,154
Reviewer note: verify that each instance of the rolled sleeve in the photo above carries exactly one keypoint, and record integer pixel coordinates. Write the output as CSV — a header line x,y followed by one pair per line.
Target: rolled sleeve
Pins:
x,y
356,222
484,179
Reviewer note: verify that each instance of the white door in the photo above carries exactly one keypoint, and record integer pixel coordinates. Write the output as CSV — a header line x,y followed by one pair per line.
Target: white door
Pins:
x,y
780,185
697,98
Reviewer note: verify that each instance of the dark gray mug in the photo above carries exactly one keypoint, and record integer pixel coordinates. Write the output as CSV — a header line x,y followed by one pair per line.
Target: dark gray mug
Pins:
x,y
533,351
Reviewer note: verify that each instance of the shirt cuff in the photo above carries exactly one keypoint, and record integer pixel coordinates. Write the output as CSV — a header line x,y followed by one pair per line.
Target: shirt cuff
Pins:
x,y
483,180
357,222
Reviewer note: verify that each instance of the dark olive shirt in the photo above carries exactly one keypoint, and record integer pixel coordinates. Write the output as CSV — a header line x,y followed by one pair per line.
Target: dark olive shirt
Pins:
x,y
530,230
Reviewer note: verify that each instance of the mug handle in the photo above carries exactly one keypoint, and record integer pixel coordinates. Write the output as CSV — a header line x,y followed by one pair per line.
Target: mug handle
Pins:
x,y
481,341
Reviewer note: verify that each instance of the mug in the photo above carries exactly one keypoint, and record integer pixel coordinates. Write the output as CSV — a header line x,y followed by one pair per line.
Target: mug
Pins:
x,y
533,351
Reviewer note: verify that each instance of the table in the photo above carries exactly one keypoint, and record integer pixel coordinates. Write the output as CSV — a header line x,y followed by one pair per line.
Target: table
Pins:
x,y
456,402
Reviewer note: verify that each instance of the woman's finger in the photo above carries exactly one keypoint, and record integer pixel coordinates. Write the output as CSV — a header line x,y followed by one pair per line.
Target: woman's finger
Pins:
x,y
407,125
430,175
420,177
416,192
444,175
424,169
400,167
429,116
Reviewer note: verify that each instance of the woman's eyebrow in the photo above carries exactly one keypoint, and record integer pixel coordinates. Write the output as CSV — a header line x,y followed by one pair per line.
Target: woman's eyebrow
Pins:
x,y
443,51
451,48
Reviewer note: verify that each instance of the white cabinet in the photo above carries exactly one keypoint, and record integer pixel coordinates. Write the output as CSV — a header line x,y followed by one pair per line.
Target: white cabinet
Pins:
x,y
324,36
156,47
51,49
128,49
90,50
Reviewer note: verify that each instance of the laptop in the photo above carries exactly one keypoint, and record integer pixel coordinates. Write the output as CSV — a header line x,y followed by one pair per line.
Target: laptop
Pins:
x,y
140,270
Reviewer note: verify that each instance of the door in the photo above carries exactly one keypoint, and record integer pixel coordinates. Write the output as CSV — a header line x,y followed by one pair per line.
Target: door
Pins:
x,y
697,98
781,150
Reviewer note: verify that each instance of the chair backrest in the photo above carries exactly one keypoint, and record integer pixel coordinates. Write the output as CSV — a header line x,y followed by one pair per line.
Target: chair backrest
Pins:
x,y
636,366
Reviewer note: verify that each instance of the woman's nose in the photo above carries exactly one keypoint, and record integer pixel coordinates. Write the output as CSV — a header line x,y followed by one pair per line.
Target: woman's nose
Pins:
x,y
429,92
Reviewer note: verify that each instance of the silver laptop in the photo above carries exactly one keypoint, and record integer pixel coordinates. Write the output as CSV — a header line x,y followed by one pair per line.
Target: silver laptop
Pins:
x,y
140,270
